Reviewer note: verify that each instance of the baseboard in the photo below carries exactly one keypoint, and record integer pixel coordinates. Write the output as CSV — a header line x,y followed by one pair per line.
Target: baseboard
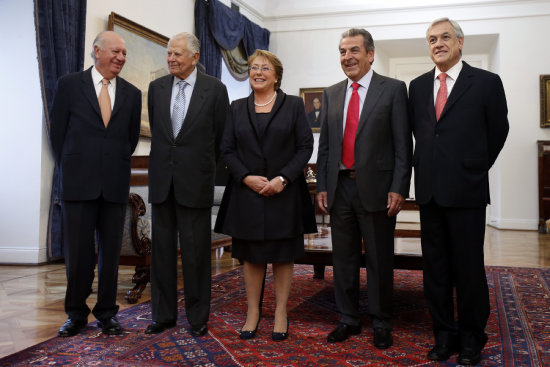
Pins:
x,y
26,256
517,224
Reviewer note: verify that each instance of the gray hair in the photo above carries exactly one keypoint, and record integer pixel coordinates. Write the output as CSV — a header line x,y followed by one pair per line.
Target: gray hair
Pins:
x,y
454,24
99,41
193,43
368,42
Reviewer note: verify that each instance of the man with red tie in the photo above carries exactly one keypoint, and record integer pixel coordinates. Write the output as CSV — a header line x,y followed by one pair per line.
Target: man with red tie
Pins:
x,y
363,177
459,120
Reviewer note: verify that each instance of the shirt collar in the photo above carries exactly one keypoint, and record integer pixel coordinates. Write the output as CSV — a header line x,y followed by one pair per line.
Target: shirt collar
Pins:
x,y
191,79
364,81
452,72
97,77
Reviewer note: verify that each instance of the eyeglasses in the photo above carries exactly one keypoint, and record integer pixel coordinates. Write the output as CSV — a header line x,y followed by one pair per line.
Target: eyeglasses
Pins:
x,y
256,68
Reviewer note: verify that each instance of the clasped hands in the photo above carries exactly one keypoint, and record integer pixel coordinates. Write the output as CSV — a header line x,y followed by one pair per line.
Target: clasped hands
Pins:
x,y
261,185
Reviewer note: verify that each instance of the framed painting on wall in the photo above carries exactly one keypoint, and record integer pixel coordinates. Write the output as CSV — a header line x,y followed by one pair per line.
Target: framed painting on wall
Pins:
x,y
145,60
313,100
545,101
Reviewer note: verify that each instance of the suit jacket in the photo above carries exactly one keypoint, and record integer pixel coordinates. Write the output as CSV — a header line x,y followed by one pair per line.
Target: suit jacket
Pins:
x,y
93,159
383,142
453,155
284,149
189,161
313,118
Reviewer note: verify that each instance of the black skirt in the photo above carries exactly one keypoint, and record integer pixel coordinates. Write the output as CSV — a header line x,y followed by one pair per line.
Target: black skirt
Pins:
x,y
268,251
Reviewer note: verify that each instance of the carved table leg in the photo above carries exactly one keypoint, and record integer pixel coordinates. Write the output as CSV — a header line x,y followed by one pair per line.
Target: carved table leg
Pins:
x,y
141,277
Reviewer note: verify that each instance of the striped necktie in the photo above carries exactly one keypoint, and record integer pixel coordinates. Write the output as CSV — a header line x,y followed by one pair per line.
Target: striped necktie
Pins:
x,y
178,112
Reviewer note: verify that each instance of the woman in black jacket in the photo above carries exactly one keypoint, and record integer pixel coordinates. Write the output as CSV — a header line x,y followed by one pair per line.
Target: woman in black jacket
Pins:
x,y
266,206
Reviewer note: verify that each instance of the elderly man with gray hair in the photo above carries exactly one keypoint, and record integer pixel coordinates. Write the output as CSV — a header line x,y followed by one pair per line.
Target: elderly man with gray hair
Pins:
x,y
95,123
459,119
187,112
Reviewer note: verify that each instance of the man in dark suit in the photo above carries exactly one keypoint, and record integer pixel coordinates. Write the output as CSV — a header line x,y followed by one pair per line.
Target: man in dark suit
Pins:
x,y
95,124
313,116
187,112
459,119
363,177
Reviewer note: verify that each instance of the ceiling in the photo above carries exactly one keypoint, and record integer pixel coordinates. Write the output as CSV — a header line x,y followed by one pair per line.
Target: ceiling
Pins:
x,y
269,9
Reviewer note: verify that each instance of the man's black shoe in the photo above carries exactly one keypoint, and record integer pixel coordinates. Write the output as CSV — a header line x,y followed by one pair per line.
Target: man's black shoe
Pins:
x,y
441,352
200,330
159,327
342,332
110,326
382,338
71,327
469,356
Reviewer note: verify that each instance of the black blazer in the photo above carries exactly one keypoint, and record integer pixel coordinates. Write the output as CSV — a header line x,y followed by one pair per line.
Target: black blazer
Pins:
x,y
284,149
94,160
190,160
383,143
452,157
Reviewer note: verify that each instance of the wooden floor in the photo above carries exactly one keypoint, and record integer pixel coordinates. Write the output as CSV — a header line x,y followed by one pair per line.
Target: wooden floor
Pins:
x,y
31,297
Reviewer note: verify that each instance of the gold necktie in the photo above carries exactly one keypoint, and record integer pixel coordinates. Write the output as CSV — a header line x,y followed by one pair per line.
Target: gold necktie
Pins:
x,y
105,102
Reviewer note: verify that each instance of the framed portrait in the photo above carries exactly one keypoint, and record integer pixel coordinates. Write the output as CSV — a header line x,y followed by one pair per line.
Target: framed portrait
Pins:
x,y
313,100
545,101
145,61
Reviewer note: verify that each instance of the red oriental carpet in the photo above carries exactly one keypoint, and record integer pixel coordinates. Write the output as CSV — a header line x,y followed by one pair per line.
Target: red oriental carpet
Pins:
x,y
518,328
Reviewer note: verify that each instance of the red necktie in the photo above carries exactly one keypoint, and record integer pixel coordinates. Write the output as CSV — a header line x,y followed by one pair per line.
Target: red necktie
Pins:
x,y
441,98
352,120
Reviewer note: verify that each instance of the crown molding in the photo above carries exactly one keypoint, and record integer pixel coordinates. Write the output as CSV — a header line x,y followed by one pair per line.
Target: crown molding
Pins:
x,y
352,13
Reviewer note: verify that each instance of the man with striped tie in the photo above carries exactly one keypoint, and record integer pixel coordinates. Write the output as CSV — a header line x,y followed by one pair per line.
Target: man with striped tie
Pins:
x,y
187,112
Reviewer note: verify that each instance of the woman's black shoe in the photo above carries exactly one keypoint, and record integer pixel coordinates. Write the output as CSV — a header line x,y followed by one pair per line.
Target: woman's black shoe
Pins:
x,y
250,334
280,336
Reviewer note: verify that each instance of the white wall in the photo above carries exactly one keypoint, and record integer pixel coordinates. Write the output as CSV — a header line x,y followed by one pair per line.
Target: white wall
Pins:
x,y
23,219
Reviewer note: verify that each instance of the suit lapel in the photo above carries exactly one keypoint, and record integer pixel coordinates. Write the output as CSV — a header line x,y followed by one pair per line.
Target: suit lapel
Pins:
x,y
373,94
338,109
276,106
252,115
429,88
89,91
165,99
462,84
200,93
121,93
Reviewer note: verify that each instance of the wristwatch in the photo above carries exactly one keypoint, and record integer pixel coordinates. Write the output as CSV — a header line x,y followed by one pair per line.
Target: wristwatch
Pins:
x,y
283,181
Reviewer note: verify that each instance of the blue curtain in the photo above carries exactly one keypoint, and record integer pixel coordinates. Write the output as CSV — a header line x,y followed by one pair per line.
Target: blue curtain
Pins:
x,y
218,26
60,37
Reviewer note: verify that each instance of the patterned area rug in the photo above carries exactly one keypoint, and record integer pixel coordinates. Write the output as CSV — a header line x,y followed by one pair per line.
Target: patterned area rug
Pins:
x,y
519,329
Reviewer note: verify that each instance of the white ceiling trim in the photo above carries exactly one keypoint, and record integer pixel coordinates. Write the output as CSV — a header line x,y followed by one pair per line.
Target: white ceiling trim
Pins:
x,y
278,18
